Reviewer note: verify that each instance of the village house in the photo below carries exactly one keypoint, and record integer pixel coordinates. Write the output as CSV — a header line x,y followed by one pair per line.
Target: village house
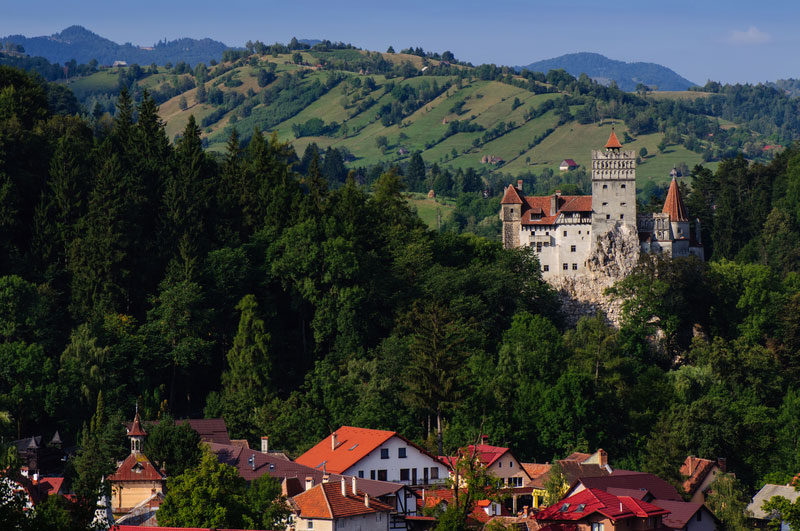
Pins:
x,y
337,505
597,510
568,165
700,474
761,518
136,478
563,230
374,454
497,460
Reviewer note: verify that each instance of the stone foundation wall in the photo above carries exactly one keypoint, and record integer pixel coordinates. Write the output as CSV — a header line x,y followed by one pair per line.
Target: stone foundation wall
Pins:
x,y
614,256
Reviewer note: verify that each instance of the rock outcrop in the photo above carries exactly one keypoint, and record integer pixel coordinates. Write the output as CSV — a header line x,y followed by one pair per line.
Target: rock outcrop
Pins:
x,y
614,256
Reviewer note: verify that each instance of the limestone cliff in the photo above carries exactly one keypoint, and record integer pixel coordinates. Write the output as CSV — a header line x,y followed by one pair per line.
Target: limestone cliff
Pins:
x,y
614,256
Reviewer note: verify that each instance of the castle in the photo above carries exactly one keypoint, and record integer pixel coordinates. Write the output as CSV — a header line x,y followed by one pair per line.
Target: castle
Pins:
x,y
564,230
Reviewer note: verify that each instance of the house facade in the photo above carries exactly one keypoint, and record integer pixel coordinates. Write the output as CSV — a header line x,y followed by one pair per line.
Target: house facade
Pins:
x,y
563,230
596,510
374,454
700,474
336,505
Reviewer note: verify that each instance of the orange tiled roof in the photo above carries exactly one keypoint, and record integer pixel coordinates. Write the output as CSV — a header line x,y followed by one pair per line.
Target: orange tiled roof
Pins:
x,y
511,197
674,203
695,469
613,141
537,205
326,501
137,467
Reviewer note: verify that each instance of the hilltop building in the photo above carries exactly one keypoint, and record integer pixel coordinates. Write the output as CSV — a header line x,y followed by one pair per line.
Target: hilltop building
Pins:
x,y
563,230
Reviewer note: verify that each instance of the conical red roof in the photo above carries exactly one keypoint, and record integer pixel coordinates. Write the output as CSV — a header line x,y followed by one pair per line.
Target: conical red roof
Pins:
x,y
674,204
136,428
613,141
511,197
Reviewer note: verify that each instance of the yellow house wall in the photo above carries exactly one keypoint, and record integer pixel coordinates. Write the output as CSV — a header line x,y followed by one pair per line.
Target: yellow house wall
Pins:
x,y
506,467
129,495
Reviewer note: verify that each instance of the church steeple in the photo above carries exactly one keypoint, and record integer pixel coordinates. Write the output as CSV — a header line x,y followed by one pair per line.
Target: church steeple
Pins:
x,y
136,433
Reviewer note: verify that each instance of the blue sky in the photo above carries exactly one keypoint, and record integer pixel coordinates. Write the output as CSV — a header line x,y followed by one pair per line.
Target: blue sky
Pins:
x,y
728,41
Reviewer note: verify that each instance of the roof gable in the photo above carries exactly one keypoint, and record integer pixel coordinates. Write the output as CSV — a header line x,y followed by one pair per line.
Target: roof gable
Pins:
x,y
511,197
590,501
327,502
137,467
352,445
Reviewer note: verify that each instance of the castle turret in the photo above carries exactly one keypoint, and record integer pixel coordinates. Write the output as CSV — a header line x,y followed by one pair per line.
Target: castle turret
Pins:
x,y
511,216
613,187
136,434
674,207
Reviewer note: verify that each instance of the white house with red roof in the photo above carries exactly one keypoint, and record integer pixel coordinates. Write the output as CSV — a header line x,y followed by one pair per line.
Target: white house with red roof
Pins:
x,y
339,505
374,454
567,165
563,229
498,460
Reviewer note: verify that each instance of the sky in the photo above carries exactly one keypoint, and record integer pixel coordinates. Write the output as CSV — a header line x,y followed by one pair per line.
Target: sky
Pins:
x,y
728,41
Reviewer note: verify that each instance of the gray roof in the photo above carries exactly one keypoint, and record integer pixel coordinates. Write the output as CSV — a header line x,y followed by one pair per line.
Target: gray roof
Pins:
x,y
765,494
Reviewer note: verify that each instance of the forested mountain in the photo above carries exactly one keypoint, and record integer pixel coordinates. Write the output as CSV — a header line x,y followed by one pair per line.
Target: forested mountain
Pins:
x,y
292,296
627,75
82,45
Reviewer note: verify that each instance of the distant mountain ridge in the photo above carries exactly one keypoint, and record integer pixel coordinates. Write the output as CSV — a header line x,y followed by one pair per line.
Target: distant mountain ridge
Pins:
x,y
77,42
604,70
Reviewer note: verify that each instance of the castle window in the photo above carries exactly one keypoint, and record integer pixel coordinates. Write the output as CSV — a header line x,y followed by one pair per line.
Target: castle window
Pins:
x,y
605,186
608,216
622,186
546,268
565,267
605,204
622,216
565,233
572,248
574,267
538,247
622,204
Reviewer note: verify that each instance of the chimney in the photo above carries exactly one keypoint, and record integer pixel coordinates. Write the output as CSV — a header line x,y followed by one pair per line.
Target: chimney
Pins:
x,y
355,490
344,487
265,444
366,500
691,465
554,203
519,184
484,439
35,478
333,441
326,478
603,457
309,483
722,463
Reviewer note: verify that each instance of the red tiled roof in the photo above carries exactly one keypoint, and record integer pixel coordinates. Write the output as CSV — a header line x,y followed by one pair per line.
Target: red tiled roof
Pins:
x,y
680,512
640,481
136,429
127,471
589,501
695,469
326,501
577,456
51,485
511,197
434,497
613,141
540,205
674,203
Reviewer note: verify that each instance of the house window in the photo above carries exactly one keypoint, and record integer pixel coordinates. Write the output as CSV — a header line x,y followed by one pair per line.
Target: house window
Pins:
x,y
434,472
310,524
565,267
546,268
384,453
598,526
381,475
401,453
572,248
404,474
574,267
361,473
699,516
371,474
499,464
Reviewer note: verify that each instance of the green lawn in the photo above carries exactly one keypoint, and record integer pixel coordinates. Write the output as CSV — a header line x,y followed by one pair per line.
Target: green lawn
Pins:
x,y
430,210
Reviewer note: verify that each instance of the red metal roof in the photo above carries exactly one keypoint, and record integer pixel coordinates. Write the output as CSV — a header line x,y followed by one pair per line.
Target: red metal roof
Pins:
x,y
136,429
511,197
137,467
613,141
326,501
590,501
640,481
569,162
674,203
680,512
